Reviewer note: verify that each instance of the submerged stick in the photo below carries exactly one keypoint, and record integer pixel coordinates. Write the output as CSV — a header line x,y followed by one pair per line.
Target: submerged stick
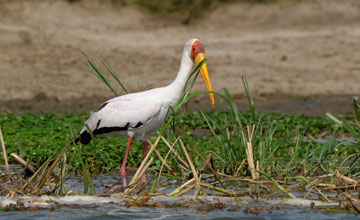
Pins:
x,y
4,152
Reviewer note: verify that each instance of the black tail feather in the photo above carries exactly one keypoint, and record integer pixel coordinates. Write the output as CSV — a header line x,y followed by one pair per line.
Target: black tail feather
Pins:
x,y
84,138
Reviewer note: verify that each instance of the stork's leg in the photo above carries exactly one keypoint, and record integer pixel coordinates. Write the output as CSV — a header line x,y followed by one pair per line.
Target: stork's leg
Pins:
x,y
145,143
122,170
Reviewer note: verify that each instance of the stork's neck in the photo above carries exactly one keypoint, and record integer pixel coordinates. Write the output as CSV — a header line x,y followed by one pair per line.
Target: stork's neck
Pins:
x,y
177,86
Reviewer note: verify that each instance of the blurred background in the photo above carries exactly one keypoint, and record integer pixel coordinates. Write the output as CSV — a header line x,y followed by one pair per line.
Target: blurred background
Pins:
x,y
299,56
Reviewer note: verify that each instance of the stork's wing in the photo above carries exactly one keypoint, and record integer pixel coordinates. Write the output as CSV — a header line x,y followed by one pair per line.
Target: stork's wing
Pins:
x,y
122,113
127,113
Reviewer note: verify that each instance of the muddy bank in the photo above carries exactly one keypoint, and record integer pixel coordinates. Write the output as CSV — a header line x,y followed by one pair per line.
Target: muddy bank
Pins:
x,y
298,57
316,105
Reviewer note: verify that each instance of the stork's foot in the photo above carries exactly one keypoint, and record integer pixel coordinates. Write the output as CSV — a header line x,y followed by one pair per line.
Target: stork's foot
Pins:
x,y
123,176
124,181
122,170
143,179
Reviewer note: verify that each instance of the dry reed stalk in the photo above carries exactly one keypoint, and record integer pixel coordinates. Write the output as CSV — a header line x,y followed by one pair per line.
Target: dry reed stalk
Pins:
x,y
136,178
109,187
251,181
144,170
39,172
312,183
206,162
188,189
227,192
23,162
239,168
162,165
250,154
176,153
312,187
346,179
341,187
4,152
248,180
197,180
212,168
323,168
180,188
145,160
326,185
163,161
354,201
51,168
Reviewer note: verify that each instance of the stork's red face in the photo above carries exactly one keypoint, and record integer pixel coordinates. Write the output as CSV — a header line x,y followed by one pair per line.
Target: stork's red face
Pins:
x,y
198,55
197,48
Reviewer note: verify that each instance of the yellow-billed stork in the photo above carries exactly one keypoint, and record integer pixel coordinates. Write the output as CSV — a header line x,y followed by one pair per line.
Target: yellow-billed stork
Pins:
x,y
139,115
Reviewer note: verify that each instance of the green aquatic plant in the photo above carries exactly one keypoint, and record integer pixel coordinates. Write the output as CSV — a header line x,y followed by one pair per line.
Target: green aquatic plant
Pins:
x,y
354,127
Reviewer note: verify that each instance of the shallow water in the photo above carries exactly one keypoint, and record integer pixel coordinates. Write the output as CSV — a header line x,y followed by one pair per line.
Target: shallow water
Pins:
x,y
121,212
90,207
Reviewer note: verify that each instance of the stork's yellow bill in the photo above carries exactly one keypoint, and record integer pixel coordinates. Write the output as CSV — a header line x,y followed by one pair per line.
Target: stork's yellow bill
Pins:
x,y
198,54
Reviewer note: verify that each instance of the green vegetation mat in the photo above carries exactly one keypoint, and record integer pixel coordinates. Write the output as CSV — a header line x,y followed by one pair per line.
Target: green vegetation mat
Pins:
x,y
283,144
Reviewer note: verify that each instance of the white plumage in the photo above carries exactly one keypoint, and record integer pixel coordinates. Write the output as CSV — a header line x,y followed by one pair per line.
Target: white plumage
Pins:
x,y
141,114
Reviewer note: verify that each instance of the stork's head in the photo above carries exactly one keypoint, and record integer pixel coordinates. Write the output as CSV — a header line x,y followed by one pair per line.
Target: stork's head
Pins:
x,y
197,54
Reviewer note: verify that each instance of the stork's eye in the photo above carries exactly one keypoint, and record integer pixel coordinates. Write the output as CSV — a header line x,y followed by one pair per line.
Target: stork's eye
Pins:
x,y
194,49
